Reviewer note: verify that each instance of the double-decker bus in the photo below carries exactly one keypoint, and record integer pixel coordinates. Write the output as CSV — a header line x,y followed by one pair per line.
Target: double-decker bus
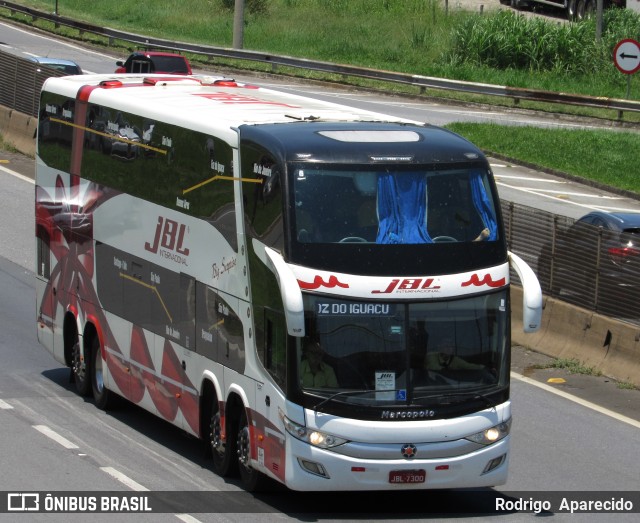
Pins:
x,y
320,293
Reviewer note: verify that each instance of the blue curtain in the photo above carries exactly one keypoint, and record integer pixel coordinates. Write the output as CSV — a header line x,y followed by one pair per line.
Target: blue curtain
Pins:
x,y
402,202
482,205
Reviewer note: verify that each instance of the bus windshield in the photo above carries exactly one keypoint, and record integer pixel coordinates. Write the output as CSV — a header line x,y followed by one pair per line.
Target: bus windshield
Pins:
x,y
389,352
387,206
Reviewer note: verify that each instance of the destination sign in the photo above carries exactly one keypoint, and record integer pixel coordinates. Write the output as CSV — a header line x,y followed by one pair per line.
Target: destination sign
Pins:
x,y
354,309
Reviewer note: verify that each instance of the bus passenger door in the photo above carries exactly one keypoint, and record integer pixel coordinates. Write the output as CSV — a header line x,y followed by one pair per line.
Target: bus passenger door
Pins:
x,y
46,209
271,351
44,292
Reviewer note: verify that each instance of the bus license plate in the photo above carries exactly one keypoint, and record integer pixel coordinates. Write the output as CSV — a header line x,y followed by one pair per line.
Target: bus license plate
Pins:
x,y
408,476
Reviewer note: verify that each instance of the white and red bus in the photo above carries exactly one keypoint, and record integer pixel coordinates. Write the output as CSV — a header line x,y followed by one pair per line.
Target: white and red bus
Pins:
x,y
195,236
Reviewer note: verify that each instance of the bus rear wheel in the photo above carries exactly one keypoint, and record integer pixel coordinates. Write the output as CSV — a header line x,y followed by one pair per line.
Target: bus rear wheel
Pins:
x,y
223,452
81,370
252,480
101,395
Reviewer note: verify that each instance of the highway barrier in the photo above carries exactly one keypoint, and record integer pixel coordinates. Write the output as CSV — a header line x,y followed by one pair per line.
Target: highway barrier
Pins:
x,y
569,332
18,130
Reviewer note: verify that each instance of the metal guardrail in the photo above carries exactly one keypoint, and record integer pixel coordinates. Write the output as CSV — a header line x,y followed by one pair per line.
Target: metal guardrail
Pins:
x,y
423,82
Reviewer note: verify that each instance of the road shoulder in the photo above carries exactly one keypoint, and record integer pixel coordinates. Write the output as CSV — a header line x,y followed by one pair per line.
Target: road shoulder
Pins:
x,y
600,390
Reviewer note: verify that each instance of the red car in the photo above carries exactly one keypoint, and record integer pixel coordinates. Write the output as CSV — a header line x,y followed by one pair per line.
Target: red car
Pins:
x,y
154,62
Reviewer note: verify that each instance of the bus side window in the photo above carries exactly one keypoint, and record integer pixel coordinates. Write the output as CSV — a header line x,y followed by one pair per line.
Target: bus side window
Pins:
x,y
273,352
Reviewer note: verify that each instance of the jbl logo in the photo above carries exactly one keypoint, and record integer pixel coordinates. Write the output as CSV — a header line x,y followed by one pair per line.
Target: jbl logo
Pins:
x,y
169,235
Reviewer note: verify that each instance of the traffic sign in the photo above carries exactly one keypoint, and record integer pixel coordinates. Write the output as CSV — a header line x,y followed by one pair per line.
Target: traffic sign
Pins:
x,y
626,56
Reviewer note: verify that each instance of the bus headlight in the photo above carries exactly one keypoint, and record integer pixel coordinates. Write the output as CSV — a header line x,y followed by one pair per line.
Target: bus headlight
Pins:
x,y
491,435
313,437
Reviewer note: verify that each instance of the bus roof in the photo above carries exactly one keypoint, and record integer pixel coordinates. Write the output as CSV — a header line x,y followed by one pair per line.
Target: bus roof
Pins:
x,y
348,142
212,101
220,106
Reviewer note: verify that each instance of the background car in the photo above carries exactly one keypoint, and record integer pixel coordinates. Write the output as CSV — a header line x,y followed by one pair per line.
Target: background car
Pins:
x,y
596,260
154,62
61,64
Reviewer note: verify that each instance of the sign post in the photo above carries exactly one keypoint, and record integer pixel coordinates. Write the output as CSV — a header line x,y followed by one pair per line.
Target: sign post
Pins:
x,y
626,56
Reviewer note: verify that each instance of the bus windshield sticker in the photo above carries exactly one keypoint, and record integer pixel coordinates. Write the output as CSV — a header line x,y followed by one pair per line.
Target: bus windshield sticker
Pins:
x,y
385,385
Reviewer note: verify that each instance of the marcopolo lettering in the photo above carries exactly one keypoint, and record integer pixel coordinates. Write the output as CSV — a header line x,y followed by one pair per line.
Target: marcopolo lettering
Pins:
x,y
407,414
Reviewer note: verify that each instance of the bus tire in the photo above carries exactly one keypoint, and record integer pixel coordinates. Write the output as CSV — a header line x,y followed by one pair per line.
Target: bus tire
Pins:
x,y
81,369
572,6
252,480
223,452
101,395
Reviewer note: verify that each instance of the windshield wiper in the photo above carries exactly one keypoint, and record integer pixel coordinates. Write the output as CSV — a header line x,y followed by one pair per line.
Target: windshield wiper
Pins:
x,y
459,396
351,392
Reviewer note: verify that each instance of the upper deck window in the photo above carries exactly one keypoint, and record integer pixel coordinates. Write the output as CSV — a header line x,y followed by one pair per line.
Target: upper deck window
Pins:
x,y
393,207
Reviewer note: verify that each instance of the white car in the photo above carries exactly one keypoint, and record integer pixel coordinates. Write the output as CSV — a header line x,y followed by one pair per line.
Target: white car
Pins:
x,y
60,64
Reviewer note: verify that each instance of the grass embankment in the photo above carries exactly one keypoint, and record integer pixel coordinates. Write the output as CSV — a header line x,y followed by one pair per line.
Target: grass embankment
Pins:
x,y
419,36
607,157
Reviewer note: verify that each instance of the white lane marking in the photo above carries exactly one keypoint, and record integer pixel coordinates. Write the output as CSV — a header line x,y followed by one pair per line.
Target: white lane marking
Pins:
x,y
4,405
500,177
527,178
17,175
55,436
134,485
187,518
125,480
571,193
575,399
569,202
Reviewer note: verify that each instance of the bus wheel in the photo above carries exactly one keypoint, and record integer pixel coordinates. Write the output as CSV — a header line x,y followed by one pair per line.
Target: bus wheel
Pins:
x,y
252,480
81,370
572,6
101,395
223,453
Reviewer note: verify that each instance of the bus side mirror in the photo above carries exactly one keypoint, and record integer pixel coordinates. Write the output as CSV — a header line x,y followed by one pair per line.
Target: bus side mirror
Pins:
x,y
289,291
531,294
